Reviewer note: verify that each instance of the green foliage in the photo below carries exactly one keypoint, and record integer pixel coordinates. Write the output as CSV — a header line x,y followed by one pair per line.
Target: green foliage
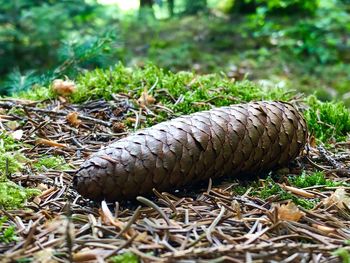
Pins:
x,y
316,178
51,162
343,254
7,234
194,7
267,188
7,143
214,89
13,195
35,93
11,161
127,257
53,38
327,120
319,37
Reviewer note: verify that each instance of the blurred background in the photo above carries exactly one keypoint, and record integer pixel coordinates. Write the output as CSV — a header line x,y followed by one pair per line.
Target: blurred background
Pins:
x,y
300,44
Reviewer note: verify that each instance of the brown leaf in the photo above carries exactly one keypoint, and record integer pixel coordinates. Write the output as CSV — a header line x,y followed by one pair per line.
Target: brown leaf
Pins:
x,y
63,87
49,143
118,127
325,229
45,256
313,142
13,125
73,119
145,99
84,256
108,218
338,198
290,212
298,191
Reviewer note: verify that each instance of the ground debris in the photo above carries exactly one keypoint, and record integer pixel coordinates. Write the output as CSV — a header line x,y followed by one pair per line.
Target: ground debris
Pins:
x,y
212,222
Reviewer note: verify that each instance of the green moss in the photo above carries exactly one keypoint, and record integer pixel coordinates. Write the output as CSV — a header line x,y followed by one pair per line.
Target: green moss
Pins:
x,y
198,92
51,162
126,257
17,112
36,93
327,120
11,161
7,234
7,143
267,188
317,178
343,254
13,195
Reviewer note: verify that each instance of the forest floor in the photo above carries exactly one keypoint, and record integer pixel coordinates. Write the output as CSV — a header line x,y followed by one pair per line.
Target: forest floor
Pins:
x,y
212,223
293,215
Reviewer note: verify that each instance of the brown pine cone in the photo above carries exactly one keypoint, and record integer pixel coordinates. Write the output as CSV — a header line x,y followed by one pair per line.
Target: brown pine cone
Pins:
x,y
243,138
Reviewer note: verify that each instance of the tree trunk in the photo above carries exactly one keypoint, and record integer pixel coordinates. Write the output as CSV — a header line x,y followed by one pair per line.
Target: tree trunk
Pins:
x,y
171,5
242,7
146,9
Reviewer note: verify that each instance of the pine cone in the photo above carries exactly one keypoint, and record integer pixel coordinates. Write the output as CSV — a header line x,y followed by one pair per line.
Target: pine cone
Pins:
x,y
243,138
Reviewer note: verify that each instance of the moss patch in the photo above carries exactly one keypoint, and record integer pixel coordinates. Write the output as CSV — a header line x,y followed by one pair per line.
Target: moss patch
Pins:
x,y
7,234
126,257
317,178
186,92
51,162
11,161
267,188
13,195
327,120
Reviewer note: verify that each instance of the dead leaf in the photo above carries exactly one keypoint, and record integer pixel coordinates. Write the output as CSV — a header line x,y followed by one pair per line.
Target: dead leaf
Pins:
x,y
13,125
131,119
142,237
49,143
290,212
17,135
313,142
73,119
63,87
338,198
118,127
325,229
297,191
146,99
44,256
84,256
108,218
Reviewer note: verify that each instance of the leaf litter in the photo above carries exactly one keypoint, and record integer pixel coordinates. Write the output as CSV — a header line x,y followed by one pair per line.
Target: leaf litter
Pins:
x,y
210,224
